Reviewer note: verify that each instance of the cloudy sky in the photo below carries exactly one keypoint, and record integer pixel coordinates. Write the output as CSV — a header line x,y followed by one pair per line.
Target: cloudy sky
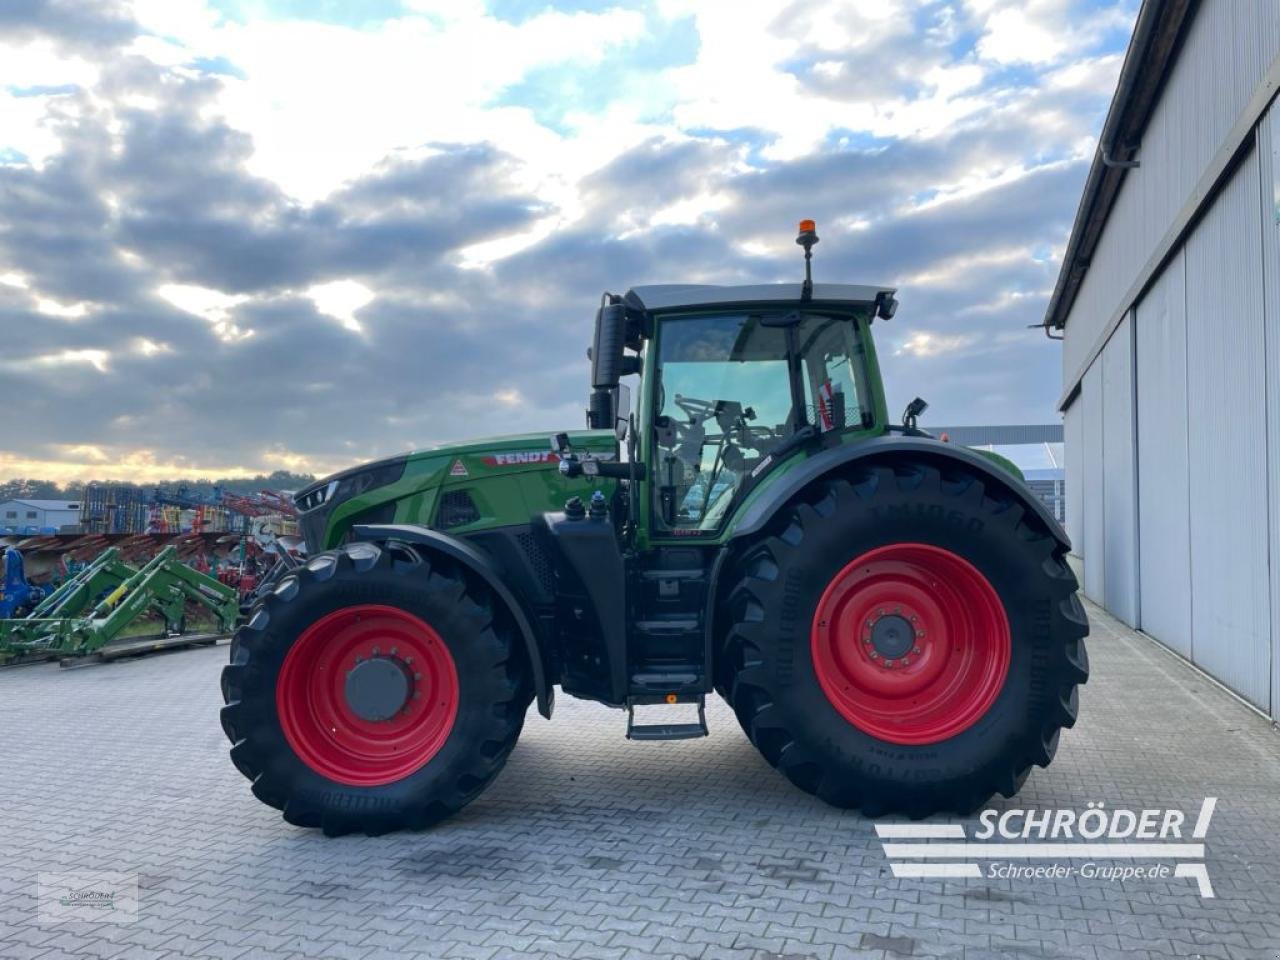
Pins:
x,y
239,235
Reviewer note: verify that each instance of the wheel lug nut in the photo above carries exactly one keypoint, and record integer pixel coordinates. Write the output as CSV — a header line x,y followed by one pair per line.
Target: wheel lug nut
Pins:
x,y
916,651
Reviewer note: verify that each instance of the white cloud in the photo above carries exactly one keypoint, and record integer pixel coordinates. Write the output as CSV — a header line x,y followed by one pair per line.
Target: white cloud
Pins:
x,y
52,308
1043,32
926,343
1013,36
149,348
97,359
341,299
37,71
213,305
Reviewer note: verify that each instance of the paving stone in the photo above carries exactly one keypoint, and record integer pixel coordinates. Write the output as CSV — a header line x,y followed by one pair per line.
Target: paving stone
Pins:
x,y
588,846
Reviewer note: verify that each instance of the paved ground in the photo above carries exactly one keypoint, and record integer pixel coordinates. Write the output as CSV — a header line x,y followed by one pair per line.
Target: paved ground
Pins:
x,y
589,846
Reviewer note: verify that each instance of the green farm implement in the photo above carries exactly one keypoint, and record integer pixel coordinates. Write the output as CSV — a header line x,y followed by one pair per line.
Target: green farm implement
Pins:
x,y
889,616
91,611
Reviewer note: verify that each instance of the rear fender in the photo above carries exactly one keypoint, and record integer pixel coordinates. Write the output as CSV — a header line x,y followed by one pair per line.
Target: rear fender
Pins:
x,y
433,541
756,515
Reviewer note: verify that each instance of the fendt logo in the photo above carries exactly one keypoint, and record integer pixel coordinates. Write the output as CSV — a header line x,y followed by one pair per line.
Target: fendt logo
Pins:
x,y
1118,844
519,457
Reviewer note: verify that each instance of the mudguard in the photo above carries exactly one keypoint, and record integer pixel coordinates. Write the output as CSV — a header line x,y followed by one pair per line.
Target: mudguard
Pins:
x,y
483,567
760,511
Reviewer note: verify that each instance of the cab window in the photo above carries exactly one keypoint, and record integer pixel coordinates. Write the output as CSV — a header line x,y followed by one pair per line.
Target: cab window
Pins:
x,y
832,365
723,402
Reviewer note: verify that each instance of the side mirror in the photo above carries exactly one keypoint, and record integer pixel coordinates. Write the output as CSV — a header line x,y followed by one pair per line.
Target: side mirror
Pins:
x,y
913,411
621,411
606,351
606,355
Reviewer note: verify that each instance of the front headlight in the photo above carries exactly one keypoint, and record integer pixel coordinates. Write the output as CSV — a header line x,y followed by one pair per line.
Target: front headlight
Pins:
x,y
314,497
317,503
333,490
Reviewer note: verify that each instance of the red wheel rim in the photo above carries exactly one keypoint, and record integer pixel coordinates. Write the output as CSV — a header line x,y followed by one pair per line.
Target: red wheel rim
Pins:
x,y
910,643
321,725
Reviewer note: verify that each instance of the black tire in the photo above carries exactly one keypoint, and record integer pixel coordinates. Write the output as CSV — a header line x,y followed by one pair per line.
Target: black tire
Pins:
x,y
766,669
494,689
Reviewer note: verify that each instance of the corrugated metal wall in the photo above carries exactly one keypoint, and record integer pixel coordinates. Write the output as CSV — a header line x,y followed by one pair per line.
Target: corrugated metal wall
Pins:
x,y
1119,484
1226,443
1164,547
1229,47
1093,532
1269,191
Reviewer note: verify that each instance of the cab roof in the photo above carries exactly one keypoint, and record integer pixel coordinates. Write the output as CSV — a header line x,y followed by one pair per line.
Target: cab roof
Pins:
x,y
677,296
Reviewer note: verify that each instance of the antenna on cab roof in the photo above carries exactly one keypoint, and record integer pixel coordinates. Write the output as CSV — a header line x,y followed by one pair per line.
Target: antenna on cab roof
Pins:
x,y
807,238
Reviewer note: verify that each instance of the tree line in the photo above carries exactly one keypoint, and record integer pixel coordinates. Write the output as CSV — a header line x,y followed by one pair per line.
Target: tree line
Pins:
x,y
25,488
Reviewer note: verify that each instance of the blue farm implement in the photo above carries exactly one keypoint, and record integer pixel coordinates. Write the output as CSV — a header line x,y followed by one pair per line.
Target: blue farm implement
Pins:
x,y
18,593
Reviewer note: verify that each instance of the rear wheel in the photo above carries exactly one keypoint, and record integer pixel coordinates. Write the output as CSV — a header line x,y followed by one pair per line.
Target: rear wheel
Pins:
x,y
373,689
906,640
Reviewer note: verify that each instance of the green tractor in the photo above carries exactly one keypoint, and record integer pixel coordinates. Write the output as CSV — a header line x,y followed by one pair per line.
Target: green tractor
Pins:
x,y
891,617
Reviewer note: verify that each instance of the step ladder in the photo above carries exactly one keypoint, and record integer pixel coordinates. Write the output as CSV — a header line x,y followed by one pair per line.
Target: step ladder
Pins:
x,y
666,731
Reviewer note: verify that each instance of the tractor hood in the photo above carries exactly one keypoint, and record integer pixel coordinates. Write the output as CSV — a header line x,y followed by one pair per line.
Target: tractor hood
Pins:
x,y
404,488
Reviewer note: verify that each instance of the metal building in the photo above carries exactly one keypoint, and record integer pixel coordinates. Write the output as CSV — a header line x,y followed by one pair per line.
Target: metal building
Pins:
x,y
38,516
1168,302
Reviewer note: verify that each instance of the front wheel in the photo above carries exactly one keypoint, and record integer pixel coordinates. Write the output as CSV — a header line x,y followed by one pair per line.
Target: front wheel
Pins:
x,y
373,689
907,639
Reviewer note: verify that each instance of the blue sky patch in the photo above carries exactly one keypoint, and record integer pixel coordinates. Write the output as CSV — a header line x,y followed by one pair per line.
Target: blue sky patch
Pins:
x,y
367,13
218,66
552,93
39,90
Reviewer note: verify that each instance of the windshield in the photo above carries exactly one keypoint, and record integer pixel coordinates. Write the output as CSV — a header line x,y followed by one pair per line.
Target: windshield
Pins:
x,y
724,400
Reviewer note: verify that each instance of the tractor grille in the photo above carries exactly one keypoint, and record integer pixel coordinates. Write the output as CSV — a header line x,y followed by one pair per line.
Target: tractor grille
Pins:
x,y
456,509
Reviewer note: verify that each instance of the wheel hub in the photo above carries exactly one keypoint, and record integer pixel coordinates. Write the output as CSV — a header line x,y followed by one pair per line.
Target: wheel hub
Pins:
x,y
377,689
910,643
367,694
892,636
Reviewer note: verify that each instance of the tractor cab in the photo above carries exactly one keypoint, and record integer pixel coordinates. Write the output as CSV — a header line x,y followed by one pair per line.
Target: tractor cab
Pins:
x,y
733,380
